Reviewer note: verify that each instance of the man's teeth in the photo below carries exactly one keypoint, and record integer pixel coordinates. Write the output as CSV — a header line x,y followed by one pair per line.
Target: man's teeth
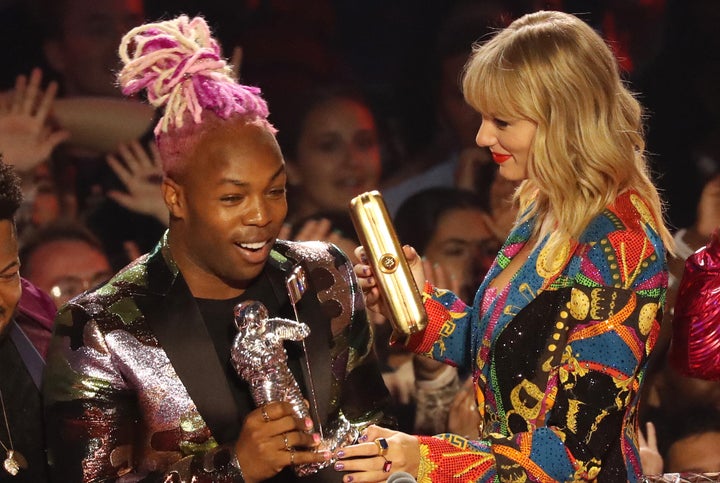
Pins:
x,y
253,246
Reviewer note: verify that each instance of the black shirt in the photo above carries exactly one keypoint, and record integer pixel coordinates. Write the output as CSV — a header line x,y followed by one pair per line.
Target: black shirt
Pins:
x,y
24,416
219,320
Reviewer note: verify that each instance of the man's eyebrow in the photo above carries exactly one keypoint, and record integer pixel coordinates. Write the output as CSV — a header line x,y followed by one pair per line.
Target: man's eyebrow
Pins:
x,y
238,182
13,264
280,170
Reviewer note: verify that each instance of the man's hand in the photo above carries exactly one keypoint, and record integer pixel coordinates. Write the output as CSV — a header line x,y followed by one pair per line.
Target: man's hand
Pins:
x,y
272,438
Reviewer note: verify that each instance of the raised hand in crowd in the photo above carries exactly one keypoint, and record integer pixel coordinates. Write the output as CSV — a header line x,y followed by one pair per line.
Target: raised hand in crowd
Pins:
x,y
650,457
463,417
320,229
26,137
141,173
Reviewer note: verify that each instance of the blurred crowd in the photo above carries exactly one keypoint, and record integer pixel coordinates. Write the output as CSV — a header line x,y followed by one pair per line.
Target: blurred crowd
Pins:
x,y
365,95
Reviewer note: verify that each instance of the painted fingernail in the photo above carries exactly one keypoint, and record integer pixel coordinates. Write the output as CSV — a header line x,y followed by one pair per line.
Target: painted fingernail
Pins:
x,y
327,455
339,466
363,438
348,479
340,454
308,423
371,280
316,437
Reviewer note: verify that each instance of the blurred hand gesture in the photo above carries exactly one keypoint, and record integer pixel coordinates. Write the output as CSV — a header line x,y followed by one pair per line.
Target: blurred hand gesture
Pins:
x,y
140,172
26,138
321,230
464,418
650,459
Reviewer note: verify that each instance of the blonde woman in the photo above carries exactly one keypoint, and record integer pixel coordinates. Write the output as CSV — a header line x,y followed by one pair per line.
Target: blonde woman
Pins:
x,y
560,330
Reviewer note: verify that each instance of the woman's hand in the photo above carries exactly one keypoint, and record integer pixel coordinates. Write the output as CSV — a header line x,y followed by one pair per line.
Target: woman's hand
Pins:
x,y
26,139
272,438
364,461
142,175
368,282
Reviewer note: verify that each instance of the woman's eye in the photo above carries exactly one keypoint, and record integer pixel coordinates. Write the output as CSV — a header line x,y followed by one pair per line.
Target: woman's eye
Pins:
x,y
328,146
366,141
500,123
454,251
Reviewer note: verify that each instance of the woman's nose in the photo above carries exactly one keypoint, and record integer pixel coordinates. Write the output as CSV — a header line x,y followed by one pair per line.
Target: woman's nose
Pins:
x,y
486,135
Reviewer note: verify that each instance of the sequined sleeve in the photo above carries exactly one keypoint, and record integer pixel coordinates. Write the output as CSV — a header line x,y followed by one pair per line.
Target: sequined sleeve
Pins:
x,y
570,414
93,418
364,398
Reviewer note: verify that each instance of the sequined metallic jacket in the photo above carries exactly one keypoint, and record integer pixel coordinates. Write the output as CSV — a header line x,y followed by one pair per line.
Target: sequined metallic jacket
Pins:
x,y
695,348
134,390
558,356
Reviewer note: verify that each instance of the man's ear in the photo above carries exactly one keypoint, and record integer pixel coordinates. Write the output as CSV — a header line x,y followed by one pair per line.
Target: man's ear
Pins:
x,y
54,55
173,195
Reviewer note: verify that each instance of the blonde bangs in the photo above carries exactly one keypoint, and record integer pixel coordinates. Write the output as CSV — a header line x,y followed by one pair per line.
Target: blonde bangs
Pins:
x,y
490,83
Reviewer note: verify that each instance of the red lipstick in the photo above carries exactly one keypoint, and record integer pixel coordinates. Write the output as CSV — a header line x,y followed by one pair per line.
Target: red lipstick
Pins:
x,y
501,158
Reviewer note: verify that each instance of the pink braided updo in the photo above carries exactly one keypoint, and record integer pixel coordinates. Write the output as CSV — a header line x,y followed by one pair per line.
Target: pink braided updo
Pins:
x,y
180,66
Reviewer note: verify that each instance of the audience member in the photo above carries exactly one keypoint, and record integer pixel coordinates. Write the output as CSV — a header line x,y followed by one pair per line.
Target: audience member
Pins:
x,y
26,142
151,348
691,440
333,227
684,111
21,426
452,157
331,145
64,259
80,39
560,331
449,228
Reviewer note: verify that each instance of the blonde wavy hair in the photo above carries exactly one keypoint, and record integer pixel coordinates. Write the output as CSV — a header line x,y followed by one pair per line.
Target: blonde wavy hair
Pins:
x,y
553,69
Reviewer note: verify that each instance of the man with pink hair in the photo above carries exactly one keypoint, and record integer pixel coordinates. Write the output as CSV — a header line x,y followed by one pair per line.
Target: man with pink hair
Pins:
x,y
140,385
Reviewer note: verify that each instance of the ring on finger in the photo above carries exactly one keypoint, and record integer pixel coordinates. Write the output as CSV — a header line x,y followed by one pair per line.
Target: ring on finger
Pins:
x,y
285,440
265,414
387,465
382,445
292,456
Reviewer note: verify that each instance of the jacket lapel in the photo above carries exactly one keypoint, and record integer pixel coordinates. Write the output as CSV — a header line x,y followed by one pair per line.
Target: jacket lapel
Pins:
x,y
173,316
316,363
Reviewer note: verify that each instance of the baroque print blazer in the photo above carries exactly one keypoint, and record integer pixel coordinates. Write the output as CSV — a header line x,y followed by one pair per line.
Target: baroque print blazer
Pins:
x,y
557,357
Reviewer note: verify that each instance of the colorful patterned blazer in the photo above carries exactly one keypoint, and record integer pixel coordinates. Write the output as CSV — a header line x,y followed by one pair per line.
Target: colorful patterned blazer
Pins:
x,y
558,356
134,389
